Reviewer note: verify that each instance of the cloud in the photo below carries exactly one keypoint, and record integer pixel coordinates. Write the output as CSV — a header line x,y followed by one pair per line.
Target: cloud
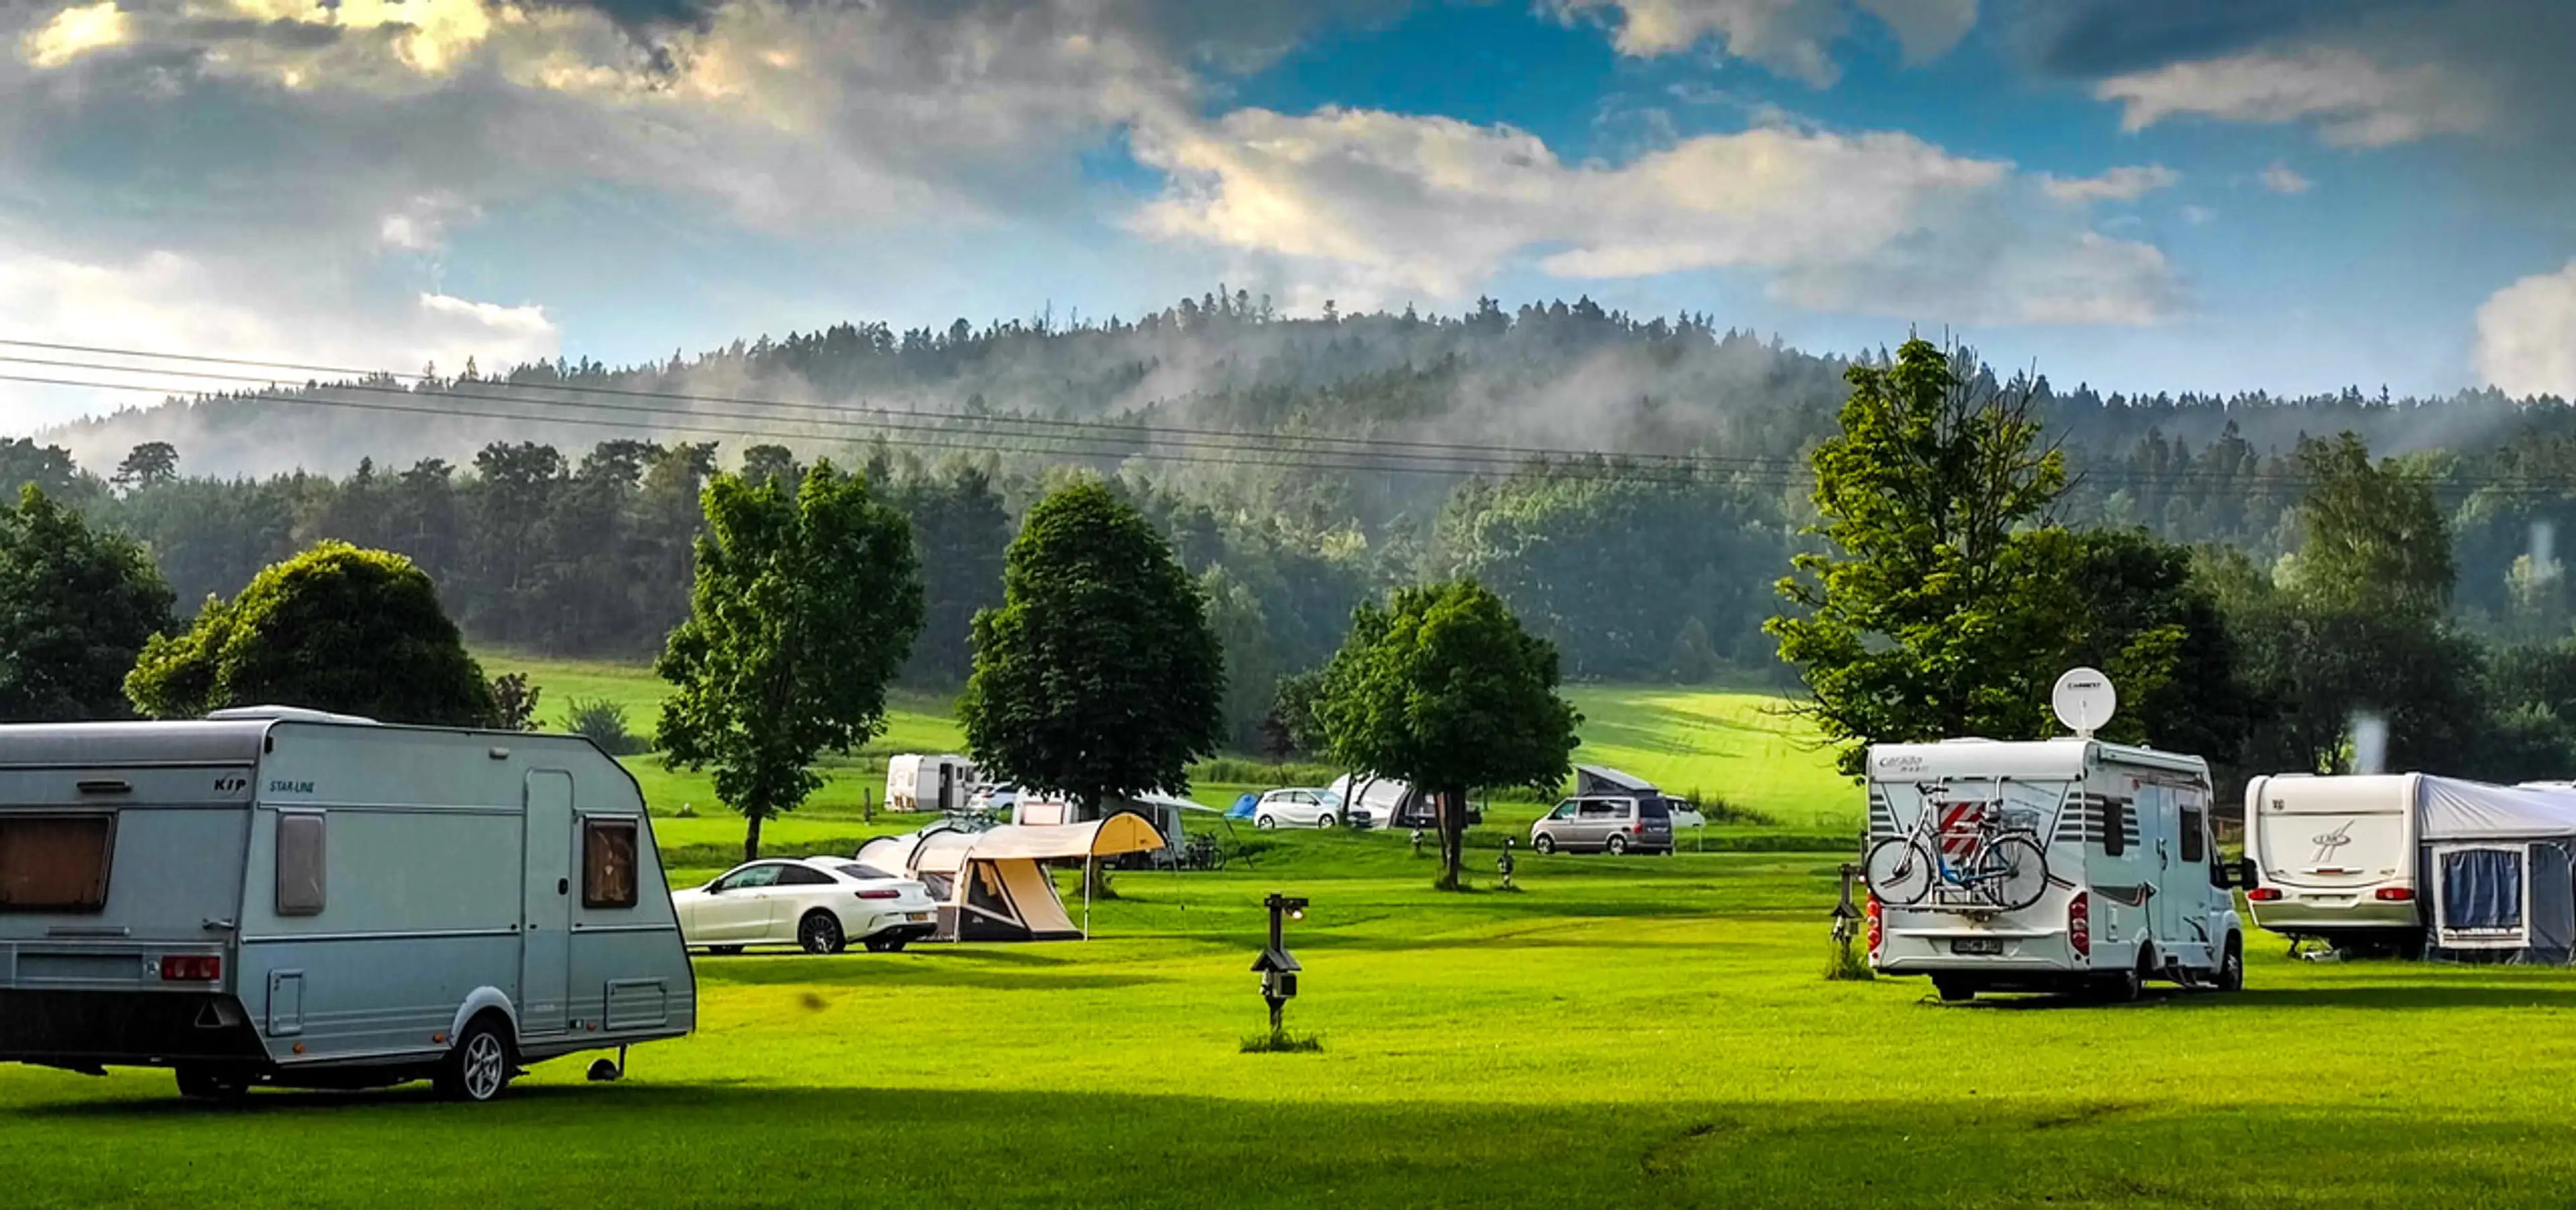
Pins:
x,y
2126,184
74,32
2527,336
2281,178
2355,101
1390,206
1790,37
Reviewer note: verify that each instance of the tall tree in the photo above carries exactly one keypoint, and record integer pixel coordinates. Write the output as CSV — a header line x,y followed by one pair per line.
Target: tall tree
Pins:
x,y
1443,689
77,605
147,466
335,628
806,600
1917,625
1098,676
2373,537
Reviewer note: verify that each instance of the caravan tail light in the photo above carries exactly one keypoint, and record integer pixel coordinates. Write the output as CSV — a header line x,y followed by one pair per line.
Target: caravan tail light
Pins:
x,y
1874,931
880,893
191,968
2394,894
2265,894
2079,924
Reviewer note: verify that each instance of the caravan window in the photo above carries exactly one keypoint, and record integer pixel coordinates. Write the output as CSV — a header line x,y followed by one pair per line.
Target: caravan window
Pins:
x,y
301,872
55,863
2115,827
2195,843
607,863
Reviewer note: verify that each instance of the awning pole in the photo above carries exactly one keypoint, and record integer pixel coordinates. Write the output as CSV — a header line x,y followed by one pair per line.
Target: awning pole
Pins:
x,y
1086,898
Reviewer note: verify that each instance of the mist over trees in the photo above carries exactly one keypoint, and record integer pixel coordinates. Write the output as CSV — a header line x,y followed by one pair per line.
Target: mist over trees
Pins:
x,y
1629,487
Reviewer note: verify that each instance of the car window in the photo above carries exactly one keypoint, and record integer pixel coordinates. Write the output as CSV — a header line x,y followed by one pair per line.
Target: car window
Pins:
x,y
1564,810
802,875
748,877
1597,810
855,870
1655,811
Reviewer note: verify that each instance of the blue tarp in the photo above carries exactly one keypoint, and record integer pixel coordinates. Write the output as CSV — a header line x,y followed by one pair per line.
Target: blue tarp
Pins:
x,y
1242,808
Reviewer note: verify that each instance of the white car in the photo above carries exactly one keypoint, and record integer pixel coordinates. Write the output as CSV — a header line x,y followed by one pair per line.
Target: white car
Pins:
x,y
1297,809
998,799
819,903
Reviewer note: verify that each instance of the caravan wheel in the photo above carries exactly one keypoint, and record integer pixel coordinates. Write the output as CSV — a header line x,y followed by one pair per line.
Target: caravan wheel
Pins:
x,y
481,1064
204,1084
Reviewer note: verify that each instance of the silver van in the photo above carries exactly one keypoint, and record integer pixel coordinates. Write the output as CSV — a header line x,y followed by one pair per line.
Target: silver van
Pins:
x,y
1605,824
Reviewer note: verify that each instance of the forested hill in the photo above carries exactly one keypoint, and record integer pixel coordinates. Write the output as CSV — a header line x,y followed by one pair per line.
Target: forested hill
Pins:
x,y
1559,376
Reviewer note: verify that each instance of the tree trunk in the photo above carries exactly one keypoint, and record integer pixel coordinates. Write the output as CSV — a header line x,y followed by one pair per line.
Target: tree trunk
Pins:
x,y
1453,838
751,839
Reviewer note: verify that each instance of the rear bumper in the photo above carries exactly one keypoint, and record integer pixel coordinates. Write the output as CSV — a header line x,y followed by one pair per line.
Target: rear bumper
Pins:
x,y
2329,913
138,1028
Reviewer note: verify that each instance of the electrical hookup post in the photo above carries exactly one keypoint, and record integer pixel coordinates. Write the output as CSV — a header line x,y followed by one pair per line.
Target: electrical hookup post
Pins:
x,y
1277,967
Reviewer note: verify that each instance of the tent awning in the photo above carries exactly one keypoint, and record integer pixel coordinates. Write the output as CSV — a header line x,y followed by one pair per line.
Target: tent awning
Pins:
x,y
1125,832
1601,779
2468,810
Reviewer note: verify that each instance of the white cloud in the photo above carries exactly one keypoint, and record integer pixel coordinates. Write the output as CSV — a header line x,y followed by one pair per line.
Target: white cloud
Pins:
x,y
2527,336
75,32
2198,215
2355,100
1391,206
1790,37
2124,184
2281,178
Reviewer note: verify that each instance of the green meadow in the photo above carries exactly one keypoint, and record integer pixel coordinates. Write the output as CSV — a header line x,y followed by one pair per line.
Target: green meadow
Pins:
x,y
1617,1032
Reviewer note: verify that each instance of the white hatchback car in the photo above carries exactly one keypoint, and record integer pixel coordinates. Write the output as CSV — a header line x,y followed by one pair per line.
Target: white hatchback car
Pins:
x,y
819,903
1298,809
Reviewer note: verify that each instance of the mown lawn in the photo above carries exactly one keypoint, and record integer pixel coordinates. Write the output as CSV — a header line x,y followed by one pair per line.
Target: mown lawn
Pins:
x,y
1638,1032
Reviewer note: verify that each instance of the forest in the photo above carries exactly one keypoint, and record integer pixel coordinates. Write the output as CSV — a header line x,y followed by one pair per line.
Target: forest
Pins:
x,y
1634,489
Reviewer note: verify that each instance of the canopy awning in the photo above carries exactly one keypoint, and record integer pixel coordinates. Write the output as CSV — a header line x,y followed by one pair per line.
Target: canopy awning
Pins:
x,y
1125,832
2469,810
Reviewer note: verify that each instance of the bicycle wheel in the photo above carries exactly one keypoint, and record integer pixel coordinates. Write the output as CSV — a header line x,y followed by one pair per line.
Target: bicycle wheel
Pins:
x,y
2014,872
1900,872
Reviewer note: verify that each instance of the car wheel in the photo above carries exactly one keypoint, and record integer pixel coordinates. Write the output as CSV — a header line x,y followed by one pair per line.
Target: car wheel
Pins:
x,y
1324,821
885,945
820,933
480,1065
1265,823
1544,843
206,1084
1617,846
2231,966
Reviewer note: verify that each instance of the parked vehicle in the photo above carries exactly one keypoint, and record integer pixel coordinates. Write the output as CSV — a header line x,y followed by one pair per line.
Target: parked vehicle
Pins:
x,y
2053,865
1387,803
1605,824
284,897
2335,857
998,800
818,903
928,783
1299,808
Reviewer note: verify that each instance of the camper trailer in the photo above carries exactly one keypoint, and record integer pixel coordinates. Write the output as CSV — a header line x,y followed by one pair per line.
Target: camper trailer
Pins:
x,y
2062,865
290,898
929,783
2335,857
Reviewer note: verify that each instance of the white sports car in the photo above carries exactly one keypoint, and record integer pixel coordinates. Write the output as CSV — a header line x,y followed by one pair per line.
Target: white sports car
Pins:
x,y
820,903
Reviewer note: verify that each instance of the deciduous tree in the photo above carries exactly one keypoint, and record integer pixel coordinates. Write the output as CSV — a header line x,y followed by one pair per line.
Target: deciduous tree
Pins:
x,y
806,600
77,605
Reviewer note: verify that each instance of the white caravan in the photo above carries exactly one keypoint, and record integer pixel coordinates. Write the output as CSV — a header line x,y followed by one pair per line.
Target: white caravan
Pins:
x,y
2335,857
292,898
929,783
2049,865
2129,886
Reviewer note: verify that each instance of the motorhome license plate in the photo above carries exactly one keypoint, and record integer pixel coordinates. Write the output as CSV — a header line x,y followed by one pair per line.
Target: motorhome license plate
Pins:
x,y
917,916
1976,945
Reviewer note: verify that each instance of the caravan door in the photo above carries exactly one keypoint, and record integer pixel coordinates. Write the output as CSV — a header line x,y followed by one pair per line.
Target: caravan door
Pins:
x,y
545,924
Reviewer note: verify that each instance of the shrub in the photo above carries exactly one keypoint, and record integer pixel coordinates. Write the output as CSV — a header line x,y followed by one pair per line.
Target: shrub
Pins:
x,y
603,722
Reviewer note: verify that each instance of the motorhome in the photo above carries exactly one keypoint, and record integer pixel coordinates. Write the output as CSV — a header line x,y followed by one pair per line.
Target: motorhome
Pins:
x,y
285,897
929,783
2335,857
2060,865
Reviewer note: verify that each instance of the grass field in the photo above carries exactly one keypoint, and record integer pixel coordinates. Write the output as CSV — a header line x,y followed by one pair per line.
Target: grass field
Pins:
x,y
1639,1032
1731,744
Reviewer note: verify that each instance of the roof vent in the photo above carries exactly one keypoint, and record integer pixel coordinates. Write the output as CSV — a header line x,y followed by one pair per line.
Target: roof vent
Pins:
x,y
284,714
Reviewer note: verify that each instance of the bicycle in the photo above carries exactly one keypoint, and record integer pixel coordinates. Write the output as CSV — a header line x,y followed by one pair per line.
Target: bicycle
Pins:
x,y
1202,853
2004,866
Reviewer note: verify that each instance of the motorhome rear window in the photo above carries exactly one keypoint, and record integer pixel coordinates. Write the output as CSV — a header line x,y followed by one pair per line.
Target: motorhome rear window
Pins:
x,y
607,863
301,873
55,863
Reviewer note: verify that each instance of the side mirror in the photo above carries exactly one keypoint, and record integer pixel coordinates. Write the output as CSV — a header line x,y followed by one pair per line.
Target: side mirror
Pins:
x,y
2248,874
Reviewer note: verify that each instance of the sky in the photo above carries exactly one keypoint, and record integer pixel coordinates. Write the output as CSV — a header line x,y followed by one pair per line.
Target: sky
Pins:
x,y
2210,195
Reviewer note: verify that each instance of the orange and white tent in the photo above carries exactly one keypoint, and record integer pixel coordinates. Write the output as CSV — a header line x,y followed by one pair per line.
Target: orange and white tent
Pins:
x,y
993,885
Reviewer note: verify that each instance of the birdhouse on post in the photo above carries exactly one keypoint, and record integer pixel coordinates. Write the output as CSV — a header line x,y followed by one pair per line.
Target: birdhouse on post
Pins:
x,y
1277,967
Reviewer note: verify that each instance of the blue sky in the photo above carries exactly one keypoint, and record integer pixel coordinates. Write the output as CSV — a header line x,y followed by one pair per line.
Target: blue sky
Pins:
x,y
2196,195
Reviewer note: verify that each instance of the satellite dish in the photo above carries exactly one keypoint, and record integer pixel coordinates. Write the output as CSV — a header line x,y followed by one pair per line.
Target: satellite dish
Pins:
x,y
2084,700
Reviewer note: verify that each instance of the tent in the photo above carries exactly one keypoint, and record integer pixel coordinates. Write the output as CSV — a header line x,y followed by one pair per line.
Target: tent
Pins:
x,y
993,886
2500,864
